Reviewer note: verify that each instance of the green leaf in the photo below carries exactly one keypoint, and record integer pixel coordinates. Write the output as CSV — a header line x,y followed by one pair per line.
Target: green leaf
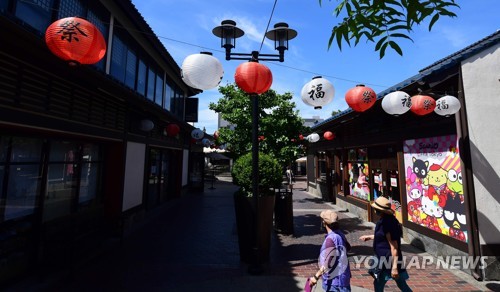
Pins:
x,y
433,20
380,43
396,47
382,50
400,35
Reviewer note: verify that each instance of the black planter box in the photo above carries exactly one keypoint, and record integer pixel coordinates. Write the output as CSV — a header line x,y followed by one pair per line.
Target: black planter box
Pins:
x,y
245,220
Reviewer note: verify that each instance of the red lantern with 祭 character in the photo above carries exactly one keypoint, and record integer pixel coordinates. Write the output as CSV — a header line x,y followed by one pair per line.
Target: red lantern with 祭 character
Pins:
x,y
75,40
253,77
360,98
329,135
422,104
173,129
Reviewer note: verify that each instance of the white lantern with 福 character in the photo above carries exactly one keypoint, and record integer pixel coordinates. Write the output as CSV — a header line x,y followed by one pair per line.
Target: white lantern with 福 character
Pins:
x,y
396,103
317,92
447,105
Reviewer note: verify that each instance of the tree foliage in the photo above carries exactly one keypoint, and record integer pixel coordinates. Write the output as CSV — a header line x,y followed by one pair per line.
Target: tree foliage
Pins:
x,y
336,112
270,174
279,123
384,22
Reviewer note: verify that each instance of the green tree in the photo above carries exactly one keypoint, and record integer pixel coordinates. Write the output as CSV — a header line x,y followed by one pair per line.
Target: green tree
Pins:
x,y
336,112
279,123
384,22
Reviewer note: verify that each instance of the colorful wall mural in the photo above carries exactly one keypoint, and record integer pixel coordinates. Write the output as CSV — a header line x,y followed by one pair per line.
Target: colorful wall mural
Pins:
x,y
434,191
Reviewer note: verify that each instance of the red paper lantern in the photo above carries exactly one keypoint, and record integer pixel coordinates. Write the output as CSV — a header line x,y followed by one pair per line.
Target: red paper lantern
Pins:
x,y
422,104
360,98
328,135
216,135
173,129
75,40
253,77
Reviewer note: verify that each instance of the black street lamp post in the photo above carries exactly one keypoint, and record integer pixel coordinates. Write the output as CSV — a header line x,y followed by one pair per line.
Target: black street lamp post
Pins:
x,y
281,34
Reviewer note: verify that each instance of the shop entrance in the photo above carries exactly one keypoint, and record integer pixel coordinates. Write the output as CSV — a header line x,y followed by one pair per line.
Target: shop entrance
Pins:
x,y
385,182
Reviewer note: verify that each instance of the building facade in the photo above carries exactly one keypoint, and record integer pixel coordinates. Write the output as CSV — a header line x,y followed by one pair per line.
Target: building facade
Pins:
x,y
84,150
441,173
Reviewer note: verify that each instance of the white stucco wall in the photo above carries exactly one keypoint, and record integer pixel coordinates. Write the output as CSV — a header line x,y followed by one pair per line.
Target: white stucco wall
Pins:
x,y
134,175
481,80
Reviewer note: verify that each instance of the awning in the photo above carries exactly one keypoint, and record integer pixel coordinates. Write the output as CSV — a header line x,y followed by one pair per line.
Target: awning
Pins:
x,y
302,159
218,156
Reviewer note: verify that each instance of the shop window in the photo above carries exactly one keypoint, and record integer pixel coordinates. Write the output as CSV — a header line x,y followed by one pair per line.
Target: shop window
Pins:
x,y
118,59
4,4
91,165
359,178
159,90
36,13
22,176
160,177
70,8
130,69
150,93
62,180
169,93
141,77
71,182
321,170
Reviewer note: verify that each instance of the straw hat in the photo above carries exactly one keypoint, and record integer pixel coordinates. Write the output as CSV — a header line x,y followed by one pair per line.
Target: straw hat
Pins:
x,y
383,204
329,216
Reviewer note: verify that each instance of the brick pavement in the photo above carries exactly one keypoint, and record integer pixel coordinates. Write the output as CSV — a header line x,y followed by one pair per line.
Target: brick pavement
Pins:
x,y
429,279
191,244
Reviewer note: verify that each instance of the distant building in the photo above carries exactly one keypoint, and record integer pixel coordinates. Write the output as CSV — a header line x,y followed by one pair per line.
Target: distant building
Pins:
x,y
224,124
310,122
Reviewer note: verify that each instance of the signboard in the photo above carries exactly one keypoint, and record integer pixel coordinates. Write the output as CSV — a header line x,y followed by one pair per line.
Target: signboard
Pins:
x,y
191,115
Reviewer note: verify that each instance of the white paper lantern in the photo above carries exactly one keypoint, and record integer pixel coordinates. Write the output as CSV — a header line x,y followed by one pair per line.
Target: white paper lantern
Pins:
x,y
197,134
317,92
314,137
447,105
202,71
396,103
147,125
205,142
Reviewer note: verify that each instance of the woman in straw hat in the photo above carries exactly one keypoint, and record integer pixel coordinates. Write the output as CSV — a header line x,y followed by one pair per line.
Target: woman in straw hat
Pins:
x,y
387,247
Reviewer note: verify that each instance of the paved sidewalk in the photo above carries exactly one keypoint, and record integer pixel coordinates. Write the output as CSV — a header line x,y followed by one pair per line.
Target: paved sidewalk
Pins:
x,y
192,245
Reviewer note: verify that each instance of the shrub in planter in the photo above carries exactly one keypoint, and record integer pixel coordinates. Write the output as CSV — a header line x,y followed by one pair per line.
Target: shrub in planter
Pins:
x,y
270,175
250,236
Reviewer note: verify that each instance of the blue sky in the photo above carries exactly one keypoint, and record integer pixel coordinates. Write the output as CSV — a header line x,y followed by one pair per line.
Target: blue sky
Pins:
x,y
185,28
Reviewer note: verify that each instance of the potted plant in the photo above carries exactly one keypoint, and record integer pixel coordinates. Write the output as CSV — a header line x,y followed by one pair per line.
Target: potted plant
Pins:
x,y
249,236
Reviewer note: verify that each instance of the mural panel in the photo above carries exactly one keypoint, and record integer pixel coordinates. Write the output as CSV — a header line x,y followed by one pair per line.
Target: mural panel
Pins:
x,y
435,196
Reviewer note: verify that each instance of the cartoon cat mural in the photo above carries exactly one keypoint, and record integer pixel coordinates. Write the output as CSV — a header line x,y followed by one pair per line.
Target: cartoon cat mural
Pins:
x,y
420,167
431,211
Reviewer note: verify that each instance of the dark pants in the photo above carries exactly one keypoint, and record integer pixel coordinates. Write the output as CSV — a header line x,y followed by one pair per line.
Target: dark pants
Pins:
x,y
384,276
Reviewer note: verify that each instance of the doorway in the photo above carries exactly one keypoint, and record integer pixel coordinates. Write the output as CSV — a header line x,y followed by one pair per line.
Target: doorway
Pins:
x,y
385,182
